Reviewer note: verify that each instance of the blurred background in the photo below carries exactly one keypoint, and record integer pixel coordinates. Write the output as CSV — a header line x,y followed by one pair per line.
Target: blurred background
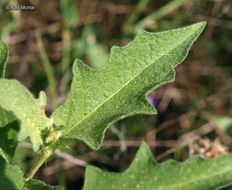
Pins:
x,y
194,112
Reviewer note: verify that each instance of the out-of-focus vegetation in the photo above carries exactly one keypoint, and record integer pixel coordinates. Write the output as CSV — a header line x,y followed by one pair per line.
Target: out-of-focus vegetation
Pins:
x,y
194,112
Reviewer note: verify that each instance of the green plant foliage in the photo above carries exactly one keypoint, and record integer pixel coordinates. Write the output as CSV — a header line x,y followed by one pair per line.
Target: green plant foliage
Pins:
x,y
225,122
29,111
6,118
3,58
8,134
163,11
99,98
8,124
39,185
69,12
97,55
146,174
11,178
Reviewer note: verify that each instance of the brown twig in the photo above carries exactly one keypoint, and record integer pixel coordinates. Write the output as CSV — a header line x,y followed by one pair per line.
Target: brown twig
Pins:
x,y
137,143
71,158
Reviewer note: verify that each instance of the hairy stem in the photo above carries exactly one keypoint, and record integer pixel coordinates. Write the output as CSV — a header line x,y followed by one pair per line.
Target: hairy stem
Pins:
x,y
52,144
47,152
52,141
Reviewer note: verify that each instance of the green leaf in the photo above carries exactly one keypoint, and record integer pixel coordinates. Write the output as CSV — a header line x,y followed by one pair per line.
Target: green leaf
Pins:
x,y
8,135
146,174
6,117
4,51
11,178
39,185
98,98
8,123
28,110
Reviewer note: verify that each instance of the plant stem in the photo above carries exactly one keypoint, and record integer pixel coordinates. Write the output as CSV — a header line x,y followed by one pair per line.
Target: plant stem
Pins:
x,y
52,141
67,45
128,27
163,11
47,152
48,69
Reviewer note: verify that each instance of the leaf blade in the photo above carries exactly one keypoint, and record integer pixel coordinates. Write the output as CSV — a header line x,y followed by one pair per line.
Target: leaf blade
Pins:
x,y
11,178
98,98
4,52
145,173
39,185
16,98
8,123
8,139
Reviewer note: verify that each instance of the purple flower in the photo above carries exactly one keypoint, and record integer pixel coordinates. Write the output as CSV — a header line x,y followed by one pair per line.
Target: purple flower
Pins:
x,y
153,100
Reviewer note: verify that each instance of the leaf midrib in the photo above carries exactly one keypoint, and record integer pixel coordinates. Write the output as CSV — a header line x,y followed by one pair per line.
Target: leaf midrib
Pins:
x,y
125,84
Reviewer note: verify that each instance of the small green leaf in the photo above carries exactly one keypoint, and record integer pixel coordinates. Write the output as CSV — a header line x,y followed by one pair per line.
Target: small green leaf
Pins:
x,y
4,51
146,174
98,98
11,178
28,110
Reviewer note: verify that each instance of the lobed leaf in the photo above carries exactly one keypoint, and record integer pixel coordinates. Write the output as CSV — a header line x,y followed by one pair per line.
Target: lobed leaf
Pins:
x,y
146,174
11,178
28,110
8,123
99,98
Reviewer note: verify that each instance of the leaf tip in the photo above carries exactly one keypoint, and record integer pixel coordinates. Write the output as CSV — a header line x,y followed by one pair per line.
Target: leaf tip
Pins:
x,y
199,26
144,154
